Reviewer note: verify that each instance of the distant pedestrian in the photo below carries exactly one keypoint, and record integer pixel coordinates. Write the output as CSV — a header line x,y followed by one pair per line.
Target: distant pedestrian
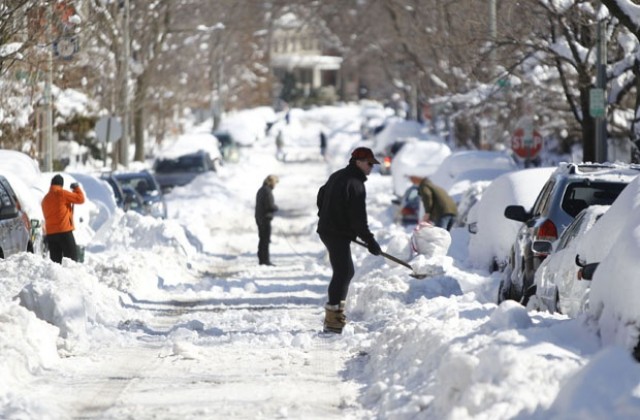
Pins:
x,y
342,218
439,207
57,207
265,207
279,146
323,144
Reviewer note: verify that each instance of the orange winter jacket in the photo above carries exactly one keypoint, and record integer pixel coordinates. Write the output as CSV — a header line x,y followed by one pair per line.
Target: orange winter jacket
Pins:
x,y
57,207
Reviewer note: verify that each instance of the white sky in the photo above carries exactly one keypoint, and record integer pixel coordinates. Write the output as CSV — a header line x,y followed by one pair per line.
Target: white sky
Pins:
x,y
175,319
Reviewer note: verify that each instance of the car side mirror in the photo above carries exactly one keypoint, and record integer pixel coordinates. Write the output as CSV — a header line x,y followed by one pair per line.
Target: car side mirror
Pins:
x,y
588,271
473,227
542,247
517,213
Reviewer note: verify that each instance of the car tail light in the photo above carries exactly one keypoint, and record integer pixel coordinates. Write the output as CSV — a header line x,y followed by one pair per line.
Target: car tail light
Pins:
x,y
408,211
386,161
547,231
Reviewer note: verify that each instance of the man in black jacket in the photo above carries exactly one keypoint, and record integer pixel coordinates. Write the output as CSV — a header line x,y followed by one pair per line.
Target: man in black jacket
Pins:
x,y
343,217
265,207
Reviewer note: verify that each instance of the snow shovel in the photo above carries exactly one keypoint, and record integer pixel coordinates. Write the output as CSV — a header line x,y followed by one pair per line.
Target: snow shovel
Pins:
x,y
395,260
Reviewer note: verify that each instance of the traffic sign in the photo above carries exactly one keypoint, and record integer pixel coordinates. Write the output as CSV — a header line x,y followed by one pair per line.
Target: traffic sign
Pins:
x,y
526,144
596,103
108,129
65,47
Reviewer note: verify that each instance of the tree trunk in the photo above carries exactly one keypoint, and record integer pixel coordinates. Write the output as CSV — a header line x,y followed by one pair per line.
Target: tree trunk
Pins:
x,y
138,116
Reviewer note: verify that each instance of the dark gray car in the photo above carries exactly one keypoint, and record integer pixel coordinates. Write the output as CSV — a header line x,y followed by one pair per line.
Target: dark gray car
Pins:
x,y
181,170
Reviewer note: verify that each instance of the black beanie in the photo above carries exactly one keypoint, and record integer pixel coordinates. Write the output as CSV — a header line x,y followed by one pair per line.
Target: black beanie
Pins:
x,y
57,180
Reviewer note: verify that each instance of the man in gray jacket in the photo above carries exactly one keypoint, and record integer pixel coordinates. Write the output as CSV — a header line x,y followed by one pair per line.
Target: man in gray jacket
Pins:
x,y
265,207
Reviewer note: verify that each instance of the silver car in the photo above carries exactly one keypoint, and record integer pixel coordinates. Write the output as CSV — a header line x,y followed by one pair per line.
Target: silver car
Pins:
x,y
558,286
15,227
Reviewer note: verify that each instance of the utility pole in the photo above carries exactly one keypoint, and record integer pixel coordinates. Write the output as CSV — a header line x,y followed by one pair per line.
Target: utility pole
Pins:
x,y
216,61
48,96
491,130
124,146
601,84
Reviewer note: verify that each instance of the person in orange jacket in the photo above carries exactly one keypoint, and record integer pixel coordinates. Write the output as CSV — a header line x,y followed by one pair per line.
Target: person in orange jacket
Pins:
x,y
57,207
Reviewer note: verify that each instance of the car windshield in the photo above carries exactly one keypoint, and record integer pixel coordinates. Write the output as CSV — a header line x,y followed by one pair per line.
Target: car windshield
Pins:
x,y
140,183
181,164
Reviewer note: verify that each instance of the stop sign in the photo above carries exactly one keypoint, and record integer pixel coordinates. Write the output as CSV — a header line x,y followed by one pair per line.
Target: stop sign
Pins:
x,y
526,146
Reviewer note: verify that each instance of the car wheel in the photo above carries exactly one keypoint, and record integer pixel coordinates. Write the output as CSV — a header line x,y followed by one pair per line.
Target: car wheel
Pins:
x,y
526,295
501,295
556,302
505,291
636,351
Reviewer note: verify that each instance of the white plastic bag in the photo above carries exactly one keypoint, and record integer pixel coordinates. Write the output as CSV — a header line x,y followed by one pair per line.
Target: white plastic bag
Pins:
x,y
429,240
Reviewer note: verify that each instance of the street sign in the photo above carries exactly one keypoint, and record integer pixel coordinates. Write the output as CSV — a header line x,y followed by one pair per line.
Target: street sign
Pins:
x,y
108,129
526,143
65,47
596,103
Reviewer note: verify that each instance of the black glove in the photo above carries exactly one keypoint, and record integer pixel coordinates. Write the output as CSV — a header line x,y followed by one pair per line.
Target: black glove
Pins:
x,y
74,186
373,247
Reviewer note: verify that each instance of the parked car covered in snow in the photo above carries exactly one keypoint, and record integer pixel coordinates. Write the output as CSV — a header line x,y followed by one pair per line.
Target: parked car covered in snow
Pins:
x,y
180,170
396,128
387,155
492,233
571,188
456,164
614,243
558,286
15,227
145,184
23,174
416,158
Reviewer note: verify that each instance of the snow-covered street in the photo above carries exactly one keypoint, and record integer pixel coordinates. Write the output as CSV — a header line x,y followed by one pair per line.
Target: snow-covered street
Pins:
x,y
176,319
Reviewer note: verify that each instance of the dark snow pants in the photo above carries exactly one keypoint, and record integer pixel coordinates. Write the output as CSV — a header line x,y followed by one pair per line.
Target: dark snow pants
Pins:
x,y
339,248
62,245
264,238
446,221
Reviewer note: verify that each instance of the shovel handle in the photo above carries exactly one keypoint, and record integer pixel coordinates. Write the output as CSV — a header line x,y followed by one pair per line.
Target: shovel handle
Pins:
x,y
387,256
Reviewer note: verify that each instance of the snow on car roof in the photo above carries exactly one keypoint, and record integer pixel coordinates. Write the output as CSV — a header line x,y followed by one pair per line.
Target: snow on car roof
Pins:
x,y
192,143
